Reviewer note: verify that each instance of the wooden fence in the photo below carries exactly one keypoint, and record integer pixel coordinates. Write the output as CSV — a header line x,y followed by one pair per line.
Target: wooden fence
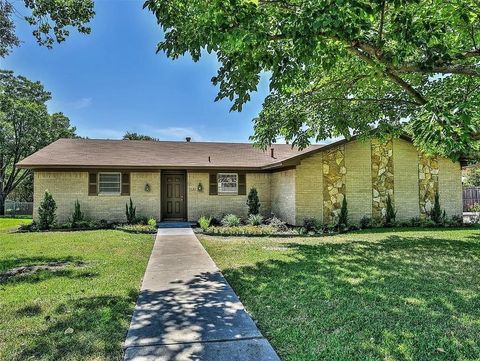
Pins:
x,y
470,197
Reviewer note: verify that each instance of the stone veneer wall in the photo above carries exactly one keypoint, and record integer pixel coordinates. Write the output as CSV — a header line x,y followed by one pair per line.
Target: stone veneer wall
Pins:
x,y
427,182
334,180
201,203
283,195
309,189
67,187
382,176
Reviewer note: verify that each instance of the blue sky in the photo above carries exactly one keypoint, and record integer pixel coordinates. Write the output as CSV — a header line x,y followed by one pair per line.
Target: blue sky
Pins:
x,y
112,81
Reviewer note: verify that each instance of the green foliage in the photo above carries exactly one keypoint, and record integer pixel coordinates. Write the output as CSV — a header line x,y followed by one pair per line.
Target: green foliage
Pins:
x,y
152,222
277,223
130,212
247,230
46,212
343,217
475,208
231,220
341,68
77,215
391,213
51,20
253,202
204,222
137,136
25,127
472,177
137,228
313,225
366,222
436,214
255,219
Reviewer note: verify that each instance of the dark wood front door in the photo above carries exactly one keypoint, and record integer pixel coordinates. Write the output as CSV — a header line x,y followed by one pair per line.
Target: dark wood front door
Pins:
x,y
173,196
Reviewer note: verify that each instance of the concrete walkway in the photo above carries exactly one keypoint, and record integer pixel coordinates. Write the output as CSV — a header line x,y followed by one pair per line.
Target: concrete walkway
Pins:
x,y
186,309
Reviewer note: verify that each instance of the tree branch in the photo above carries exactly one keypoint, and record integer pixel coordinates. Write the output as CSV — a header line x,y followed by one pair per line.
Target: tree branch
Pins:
x,y
447,69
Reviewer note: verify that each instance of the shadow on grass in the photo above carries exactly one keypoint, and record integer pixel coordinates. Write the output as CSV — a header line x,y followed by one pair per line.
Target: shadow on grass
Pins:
x,y
399,298
81,329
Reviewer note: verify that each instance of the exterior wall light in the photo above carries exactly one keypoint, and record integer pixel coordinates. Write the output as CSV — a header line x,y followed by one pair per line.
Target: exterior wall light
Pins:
x,y
147,187
200,187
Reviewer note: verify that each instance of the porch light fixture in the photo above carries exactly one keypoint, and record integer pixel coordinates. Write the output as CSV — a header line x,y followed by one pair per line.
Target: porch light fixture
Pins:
x,y
200,187
147,187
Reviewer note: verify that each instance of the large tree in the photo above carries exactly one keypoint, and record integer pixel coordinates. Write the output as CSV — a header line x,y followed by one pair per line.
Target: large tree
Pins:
x,y
25,127
138,136
51,20
341,67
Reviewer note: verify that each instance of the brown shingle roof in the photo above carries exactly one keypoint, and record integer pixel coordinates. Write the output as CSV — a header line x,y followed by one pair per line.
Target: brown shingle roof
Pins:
x,y
89,153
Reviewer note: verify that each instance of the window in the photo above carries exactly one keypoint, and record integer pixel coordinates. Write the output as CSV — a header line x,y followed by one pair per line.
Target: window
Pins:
x,y
227,183
109,183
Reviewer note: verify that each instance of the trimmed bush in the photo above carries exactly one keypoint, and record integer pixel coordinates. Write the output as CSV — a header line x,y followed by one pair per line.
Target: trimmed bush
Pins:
x,y
313,225
242,230
366,222
255,219
343,218
77,216
46,212
130,212
391,213
277,223
253,202
152,222
231,220
204,222
436,214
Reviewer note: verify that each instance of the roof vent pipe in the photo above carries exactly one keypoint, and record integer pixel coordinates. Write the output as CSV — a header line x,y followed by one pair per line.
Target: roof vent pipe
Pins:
x,y
188,139
272,152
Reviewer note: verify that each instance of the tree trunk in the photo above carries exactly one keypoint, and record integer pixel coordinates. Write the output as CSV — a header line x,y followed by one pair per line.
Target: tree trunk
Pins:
x,y
2,204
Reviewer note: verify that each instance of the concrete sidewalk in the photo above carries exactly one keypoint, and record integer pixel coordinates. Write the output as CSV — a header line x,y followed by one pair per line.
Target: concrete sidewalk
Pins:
x,y
186,309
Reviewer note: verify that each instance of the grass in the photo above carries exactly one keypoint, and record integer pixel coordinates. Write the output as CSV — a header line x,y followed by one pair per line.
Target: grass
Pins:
x,y
10,224
79,312
413,294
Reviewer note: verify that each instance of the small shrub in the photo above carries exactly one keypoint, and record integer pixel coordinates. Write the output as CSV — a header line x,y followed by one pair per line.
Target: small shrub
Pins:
x,y
277,223
247,230
46,212
312,225
137,228
456,221
253,202
77,215
366,222
130,212
436,212
343,217
390,213
255,219
475,207
231,220
152,222
204,222
415,222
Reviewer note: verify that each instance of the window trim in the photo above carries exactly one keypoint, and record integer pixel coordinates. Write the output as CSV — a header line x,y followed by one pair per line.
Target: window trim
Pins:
x,y
223,193
109,193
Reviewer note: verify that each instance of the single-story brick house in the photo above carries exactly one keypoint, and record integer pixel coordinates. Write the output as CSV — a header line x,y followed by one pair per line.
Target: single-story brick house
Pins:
x,y
184,180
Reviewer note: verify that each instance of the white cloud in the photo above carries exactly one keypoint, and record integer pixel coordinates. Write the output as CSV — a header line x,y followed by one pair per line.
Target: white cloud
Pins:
x,y
82,103
177,133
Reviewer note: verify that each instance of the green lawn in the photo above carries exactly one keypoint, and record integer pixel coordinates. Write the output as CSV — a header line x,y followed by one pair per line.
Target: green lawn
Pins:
x,y
79,312
10,224
382,295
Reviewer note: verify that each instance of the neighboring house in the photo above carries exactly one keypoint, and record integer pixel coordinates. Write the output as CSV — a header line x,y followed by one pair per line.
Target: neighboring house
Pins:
x,y
184,180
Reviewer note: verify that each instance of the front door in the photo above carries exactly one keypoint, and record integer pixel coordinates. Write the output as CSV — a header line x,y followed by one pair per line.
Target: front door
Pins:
x,y
173,195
